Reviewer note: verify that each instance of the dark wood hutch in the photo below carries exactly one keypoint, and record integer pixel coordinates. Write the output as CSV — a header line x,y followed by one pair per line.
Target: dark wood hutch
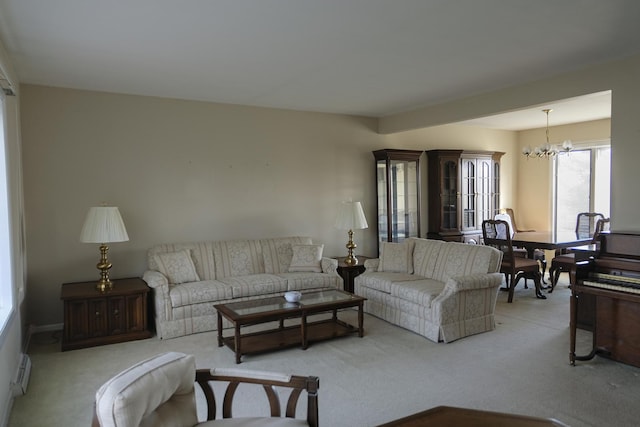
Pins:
x,y
463,190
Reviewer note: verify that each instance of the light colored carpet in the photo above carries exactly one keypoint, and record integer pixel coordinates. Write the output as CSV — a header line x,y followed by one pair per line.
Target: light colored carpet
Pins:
x,y
520,367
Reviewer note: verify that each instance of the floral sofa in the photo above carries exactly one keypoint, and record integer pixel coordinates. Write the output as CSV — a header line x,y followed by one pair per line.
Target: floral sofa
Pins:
x,y
188,279
441,290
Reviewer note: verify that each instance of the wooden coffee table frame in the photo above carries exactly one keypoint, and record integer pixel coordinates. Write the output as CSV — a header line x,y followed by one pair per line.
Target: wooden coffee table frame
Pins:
x,y
301,334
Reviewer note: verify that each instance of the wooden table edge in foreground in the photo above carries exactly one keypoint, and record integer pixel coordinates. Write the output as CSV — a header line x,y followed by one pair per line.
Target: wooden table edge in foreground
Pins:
x,y
448,416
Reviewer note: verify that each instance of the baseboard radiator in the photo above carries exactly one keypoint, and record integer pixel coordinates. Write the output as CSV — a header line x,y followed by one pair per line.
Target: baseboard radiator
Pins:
x,y
22,376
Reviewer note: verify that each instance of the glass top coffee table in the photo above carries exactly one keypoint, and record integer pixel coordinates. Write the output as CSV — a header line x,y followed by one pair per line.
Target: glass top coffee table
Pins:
x,y
270,309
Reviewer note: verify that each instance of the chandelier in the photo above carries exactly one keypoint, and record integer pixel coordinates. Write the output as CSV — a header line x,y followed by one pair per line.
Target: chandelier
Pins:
x,y
547,150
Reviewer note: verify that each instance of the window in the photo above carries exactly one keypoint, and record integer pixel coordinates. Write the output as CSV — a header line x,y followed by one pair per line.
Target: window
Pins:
x,y
582,184
6,276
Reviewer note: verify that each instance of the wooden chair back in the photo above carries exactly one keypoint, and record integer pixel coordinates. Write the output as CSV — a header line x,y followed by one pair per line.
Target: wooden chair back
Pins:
x,y
586,224
296,385
514,227
497,233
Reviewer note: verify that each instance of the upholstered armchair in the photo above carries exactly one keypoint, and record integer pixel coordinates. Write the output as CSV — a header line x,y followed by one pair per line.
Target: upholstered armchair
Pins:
x,y
161,392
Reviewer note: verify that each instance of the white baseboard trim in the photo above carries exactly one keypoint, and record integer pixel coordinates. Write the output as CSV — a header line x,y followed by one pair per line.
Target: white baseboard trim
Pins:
x,y
33,329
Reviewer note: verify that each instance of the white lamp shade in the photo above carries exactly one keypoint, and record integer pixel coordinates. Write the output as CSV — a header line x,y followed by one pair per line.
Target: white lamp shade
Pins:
x,y
103,225
351,217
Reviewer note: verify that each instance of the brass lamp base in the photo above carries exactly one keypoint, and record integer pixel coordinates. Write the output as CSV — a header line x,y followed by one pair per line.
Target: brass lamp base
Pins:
x,y
351,259
104,284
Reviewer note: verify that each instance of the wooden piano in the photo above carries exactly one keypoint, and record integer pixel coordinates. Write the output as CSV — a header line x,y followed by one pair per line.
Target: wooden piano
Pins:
x,y
605,298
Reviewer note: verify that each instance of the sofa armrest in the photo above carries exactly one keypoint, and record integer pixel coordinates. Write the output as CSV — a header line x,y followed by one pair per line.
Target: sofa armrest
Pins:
x,y
474,281
371,264
159,285
329,265
155,279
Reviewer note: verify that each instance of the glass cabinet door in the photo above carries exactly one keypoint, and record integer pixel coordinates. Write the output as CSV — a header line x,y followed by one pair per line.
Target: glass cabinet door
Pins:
x,y
496,184
463,190
398,194
449,194
468,196
484,185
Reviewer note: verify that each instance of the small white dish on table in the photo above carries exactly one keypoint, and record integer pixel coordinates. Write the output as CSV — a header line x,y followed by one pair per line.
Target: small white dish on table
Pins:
x,y
292,296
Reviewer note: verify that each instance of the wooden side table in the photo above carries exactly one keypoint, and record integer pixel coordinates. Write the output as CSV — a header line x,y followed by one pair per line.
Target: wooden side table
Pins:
x,y
350,272
94,318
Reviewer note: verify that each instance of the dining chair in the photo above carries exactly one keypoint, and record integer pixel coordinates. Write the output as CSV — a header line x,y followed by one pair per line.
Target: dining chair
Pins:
x,y
512,215
161,391
538,254
586,224
497,233
585,228
580,255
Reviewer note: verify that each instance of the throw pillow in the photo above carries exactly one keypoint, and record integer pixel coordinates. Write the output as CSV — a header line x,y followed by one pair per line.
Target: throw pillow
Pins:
x,y
306,258
396,258
177,266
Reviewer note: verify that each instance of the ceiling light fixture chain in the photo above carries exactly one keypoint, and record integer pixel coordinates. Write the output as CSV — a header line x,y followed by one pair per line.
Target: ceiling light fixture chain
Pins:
x,y
547,150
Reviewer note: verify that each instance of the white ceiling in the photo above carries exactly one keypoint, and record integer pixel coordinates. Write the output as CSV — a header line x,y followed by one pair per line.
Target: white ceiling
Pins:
x,y
362,57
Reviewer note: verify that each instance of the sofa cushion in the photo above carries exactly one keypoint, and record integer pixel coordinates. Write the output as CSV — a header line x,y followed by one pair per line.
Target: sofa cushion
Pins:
x,y
199,292
255,284
237,258
382,281
201,254
277,252
421,292
396,258
177,266
306,258
299,281
461,259
425,255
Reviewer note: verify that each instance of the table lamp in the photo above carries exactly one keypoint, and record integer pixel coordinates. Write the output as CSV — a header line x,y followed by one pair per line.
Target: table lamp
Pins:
x,y
351,217
103,225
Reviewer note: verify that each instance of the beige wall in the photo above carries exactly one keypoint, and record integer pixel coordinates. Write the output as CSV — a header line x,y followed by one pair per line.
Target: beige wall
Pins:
x,y
179,171
182,171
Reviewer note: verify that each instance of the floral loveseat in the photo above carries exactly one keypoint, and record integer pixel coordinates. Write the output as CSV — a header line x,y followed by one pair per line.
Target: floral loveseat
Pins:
x,y
441,290
188,279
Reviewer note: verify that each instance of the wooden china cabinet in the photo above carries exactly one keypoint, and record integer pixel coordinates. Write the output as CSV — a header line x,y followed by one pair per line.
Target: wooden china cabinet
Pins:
x,y
463,191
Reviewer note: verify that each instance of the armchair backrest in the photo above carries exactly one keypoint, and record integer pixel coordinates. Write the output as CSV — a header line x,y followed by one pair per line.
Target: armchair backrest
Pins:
x,y
155,392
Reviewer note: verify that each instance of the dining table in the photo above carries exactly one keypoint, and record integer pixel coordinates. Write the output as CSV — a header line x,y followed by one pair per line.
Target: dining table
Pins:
x,y
551,240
